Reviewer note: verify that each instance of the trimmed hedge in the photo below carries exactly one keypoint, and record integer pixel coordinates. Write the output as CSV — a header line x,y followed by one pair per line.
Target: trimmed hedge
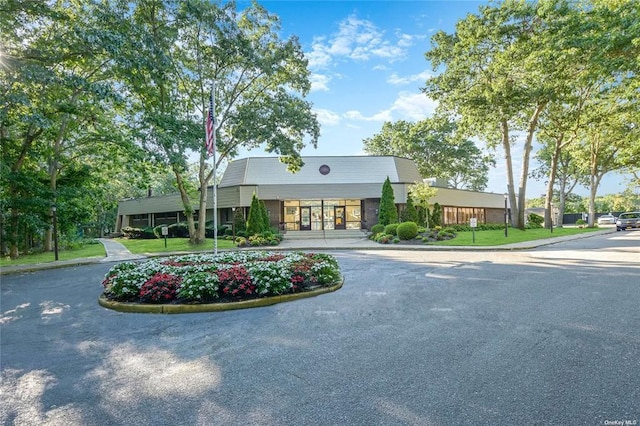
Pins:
x,y
145,233
459,227
377,228
407,230
391,229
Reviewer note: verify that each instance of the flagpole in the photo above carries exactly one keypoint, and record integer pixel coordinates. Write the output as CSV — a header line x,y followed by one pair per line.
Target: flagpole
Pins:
x,y
215,186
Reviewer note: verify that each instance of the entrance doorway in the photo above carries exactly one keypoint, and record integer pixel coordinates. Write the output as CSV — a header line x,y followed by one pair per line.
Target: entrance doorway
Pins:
x,y
338,214
305,218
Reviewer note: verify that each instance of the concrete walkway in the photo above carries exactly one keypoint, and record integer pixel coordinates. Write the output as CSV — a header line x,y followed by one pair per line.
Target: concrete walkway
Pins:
x,y
116,252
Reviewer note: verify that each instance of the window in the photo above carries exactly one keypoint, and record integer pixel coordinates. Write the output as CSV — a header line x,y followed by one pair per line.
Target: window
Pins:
x,y
461,215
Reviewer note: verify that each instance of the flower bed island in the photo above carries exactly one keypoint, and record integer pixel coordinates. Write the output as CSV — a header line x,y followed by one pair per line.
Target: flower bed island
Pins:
x,y
207,282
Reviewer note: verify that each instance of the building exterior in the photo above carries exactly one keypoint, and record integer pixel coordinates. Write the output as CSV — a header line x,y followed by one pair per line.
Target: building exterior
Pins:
x,y
328,193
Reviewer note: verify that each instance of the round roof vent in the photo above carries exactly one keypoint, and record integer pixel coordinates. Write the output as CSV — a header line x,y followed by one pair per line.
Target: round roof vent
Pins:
x,y
324,169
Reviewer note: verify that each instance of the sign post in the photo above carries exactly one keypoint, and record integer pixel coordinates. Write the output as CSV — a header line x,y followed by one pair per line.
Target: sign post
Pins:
x,y
473,223
165,232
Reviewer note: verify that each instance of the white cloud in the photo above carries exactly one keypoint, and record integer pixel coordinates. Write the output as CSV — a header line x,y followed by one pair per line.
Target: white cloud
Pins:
x,y
327,118
356,39
394,78
319,82
382,116
413,106
408,40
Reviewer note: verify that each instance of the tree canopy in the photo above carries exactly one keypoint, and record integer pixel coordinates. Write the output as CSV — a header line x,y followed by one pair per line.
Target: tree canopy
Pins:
x,y
437,150
118,91
505,68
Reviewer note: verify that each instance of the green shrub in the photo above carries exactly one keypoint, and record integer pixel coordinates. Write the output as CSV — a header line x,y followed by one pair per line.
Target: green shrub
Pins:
x,y
391,228
409,214
535,220
388,213
145,233
239,222
255,221
265,216
384,238
407,230
378,228
436,215
581,222
175,230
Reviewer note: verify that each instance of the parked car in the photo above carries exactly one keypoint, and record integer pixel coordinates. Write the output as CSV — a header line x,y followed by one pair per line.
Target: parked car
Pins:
x,y
628,220
607,219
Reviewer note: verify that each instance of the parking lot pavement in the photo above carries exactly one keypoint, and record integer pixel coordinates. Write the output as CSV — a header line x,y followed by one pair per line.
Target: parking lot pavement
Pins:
x,y
413,338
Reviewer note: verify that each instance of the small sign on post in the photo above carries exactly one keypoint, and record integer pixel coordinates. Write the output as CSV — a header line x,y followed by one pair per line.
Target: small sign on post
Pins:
x,y
473,223
165,232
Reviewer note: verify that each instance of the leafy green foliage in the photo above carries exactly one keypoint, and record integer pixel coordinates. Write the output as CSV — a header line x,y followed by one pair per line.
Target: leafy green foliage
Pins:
x,y
146,233
391,228
239,222
422,192
387,213
409,214
535,220
232,276
436,215
436,149
407,230
266,225
256,219
552,69
377,228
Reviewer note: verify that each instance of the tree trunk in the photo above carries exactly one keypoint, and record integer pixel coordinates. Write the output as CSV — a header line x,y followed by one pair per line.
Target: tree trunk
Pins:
x,y
504,125
552,179
522,190
188,210
593,190
202,219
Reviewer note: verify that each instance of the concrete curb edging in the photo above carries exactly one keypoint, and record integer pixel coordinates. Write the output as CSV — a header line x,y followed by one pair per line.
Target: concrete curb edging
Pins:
x,y
212,307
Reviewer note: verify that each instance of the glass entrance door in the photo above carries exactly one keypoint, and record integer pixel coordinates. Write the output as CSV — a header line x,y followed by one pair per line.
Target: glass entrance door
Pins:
x,y
338,214
305,218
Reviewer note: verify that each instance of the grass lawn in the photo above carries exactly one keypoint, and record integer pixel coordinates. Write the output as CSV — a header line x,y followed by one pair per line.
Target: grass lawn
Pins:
x,y
173,244
89,250
497,238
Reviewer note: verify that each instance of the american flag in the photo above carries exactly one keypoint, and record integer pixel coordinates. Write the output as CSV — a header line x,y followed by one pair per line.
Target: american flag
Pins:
x,y
210,128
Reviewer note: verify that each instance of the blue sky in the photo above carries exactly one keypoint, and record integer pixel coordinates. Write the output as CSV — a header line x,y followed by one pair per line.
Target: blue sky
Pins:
x,y
367,63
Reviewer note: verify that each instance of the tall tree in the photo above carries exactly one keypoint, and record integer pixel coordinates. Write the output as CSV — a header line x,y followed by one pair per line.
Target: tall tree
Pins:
x,y
496,78
436,149
56,90
597,41
259,79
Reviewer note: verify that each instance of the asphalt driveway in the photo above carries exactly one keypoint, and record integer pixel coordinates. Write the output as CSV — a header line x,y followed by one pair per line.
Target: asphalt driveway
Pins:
x,y
413,338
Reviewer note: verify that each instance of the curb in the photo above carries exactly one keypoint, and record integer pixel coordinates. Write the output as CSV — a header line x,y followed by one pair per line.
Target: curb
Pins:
x,y
213,307
507,247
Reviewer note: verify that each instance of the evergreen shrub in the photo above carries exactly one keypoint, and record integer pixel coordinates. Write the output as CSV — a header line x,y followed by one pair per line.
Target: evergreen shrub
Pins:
x,y
407,230
377,228
391,229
